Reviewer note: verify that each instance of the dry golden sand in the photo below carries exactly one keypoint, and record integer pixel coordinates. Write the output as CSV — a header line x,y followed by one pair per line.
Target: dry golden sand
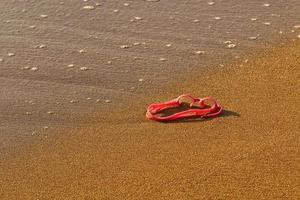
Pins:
x,y
251,152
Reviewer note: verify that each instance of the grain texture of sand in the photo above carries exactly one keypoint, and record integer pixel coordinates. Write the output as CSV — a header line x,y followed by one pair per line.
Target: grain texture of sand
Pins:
x,y
250,152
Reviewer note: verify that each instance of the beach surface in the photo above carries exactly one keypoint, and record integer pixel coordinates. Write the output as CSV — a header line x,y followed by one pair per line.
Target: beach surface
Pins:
x,y
76,79
250,152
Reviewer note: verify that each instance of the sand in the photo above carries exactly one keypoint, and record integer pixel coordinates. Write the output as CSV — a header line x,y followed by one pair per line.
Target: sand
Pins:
x,y
250,152
77,76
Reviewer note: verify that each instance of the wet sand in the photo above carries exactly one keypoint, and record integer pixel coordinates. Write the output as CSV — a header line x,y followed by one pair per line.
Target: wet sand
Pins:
x,y
75,82
250,152
63,60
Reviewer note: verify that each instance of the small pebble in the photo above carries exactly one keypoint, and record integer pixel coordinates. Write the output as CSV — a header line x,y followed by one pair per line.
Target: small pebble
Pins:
x,y
81,51
1,60
217,18
34,68
138,18
136,43
124,47
11,54
107,101
42,46
84,68
252,38
267,23
98,100
230,46
73,101
32,27
71,65
253,19
89,98
116,11
45,127
168,45
298,36
44,16
50,112
266,5
26,68
195,20
126,4
88,7
199,52
297,26
211,3
28,113
141,80
162,59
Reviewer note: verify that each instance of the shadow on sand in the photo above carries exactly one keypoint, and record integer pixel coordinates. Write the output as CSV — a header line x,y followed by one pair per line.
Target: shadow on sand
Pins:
x,y
225,113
